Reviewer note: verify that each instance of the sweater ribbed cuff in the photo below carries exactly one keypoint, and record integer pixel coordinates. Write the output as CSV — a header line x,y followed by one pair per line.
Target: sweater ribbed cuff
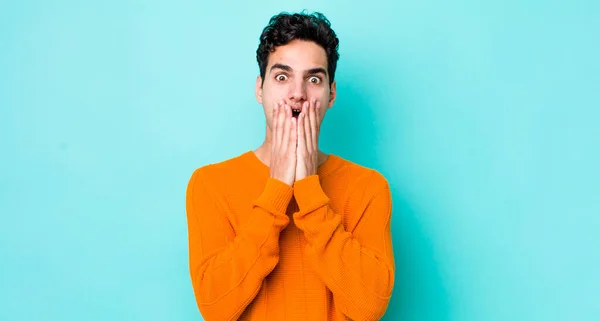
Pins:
x,y
275,197
309,194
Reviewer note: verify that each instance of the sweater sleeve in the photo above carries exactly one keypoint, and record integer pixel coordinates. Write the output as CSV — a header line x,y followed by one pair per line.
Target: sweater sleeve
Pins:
x,y
358,266
227,270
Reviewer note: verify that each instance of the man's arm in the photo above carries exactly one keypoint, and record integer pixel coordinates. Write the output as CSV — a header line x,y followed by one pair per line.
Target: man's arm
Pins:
x,y
358,265
227,270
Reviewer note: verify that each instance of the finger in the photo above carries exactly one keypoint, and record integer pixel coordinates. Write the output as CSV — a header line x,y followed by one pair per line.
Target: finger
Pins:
x,y
274,120
300,131
316,129
306,126
293,143
280,125
313,121
286,129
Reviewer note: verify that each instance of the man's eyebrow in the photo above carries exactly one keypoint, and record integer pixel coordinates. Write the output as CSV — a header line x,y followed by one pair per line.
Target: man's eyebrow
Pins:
x,y
312,71
281,66
316,71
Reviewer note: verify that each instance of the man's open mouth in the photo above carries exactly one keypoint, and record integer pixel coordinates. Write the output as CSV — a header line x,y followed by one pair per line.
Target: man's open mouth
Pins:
x,y
295,113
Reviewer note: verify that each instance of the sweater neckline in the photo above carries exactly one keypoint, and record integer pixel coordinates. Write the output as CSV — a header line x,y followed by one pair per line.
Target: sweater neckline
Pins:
x,y
324,169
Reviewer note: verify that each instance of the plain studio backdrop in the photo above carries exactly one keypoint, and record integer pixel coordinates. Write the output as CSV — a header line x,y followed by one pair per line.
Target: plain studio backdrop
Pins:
x,y
485,119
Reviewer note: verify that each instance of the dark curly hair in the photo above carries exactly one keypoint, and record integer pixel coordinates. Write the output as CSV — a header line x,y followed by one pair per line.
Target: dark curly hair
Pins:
x,y
285,27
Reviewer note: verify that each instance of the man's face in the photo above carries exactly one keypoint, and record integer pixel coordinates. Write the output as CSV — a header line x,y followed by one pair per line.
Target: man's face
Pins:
x,y
295,73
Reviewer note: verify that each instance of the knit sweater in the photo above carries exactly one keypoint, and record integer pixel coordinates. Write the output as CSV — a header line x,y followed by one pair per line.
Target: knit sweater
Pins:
x,y
260,249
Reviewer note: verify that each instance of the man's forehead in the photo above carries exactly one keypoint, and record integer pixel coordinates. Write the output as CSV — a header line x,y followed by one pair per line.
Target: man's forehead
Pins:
x,y
300,56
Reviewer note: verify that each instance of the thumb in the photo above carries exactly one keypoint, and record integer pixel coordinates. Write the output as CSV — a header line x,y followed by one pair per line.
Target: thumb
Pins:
x,y
295,134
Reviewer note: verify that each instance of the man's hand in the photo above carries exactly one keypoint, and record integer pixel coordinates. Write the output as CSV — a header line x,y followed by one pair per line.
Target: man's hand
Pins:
x,y
284,137
309,126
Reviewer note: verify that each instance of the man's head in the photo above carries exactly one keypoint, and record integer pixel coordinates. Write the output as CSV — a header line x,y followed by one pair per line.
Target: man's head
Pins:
x,y
297,57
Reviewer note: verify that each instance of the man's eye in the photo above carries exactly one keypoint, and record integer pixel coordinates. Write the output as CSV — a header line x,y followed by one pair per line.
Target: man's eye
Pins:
x,y
314,80
280,77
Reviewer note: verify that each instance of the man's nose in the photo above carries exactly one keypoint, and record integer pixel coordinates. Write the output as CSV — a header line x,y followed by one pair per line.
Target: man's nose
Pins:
x,y
297,91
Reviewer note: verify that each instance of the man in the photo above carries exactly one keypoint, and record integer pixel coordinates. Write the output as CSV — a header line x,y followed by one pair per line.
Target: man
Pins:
x,y
287,232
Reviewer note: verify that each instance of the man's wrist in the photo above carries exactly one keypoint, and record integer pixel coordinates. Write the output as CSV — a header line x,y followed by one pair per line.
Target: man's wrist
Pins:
x,y
309,194
276,196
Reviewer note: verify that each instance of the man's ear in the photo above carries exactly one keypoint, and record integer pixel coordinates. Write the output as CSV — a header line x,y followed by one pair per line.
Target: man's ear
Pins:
x,y
258,89
332,94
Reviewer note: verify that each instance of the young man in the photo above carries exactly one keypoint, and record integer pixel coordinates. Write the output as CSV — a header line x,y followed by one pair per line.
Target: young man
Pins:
x,y
287,232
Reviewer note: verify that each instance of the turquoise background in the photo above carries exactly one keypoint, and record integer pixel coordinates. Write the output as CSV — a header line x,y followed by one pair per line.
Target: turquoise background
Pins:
x,y
484,117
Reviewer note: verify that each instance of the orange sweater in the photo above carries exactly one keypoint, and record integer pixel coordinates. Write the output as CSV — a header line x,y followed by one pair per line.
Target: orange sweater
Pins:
x,y
262,250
